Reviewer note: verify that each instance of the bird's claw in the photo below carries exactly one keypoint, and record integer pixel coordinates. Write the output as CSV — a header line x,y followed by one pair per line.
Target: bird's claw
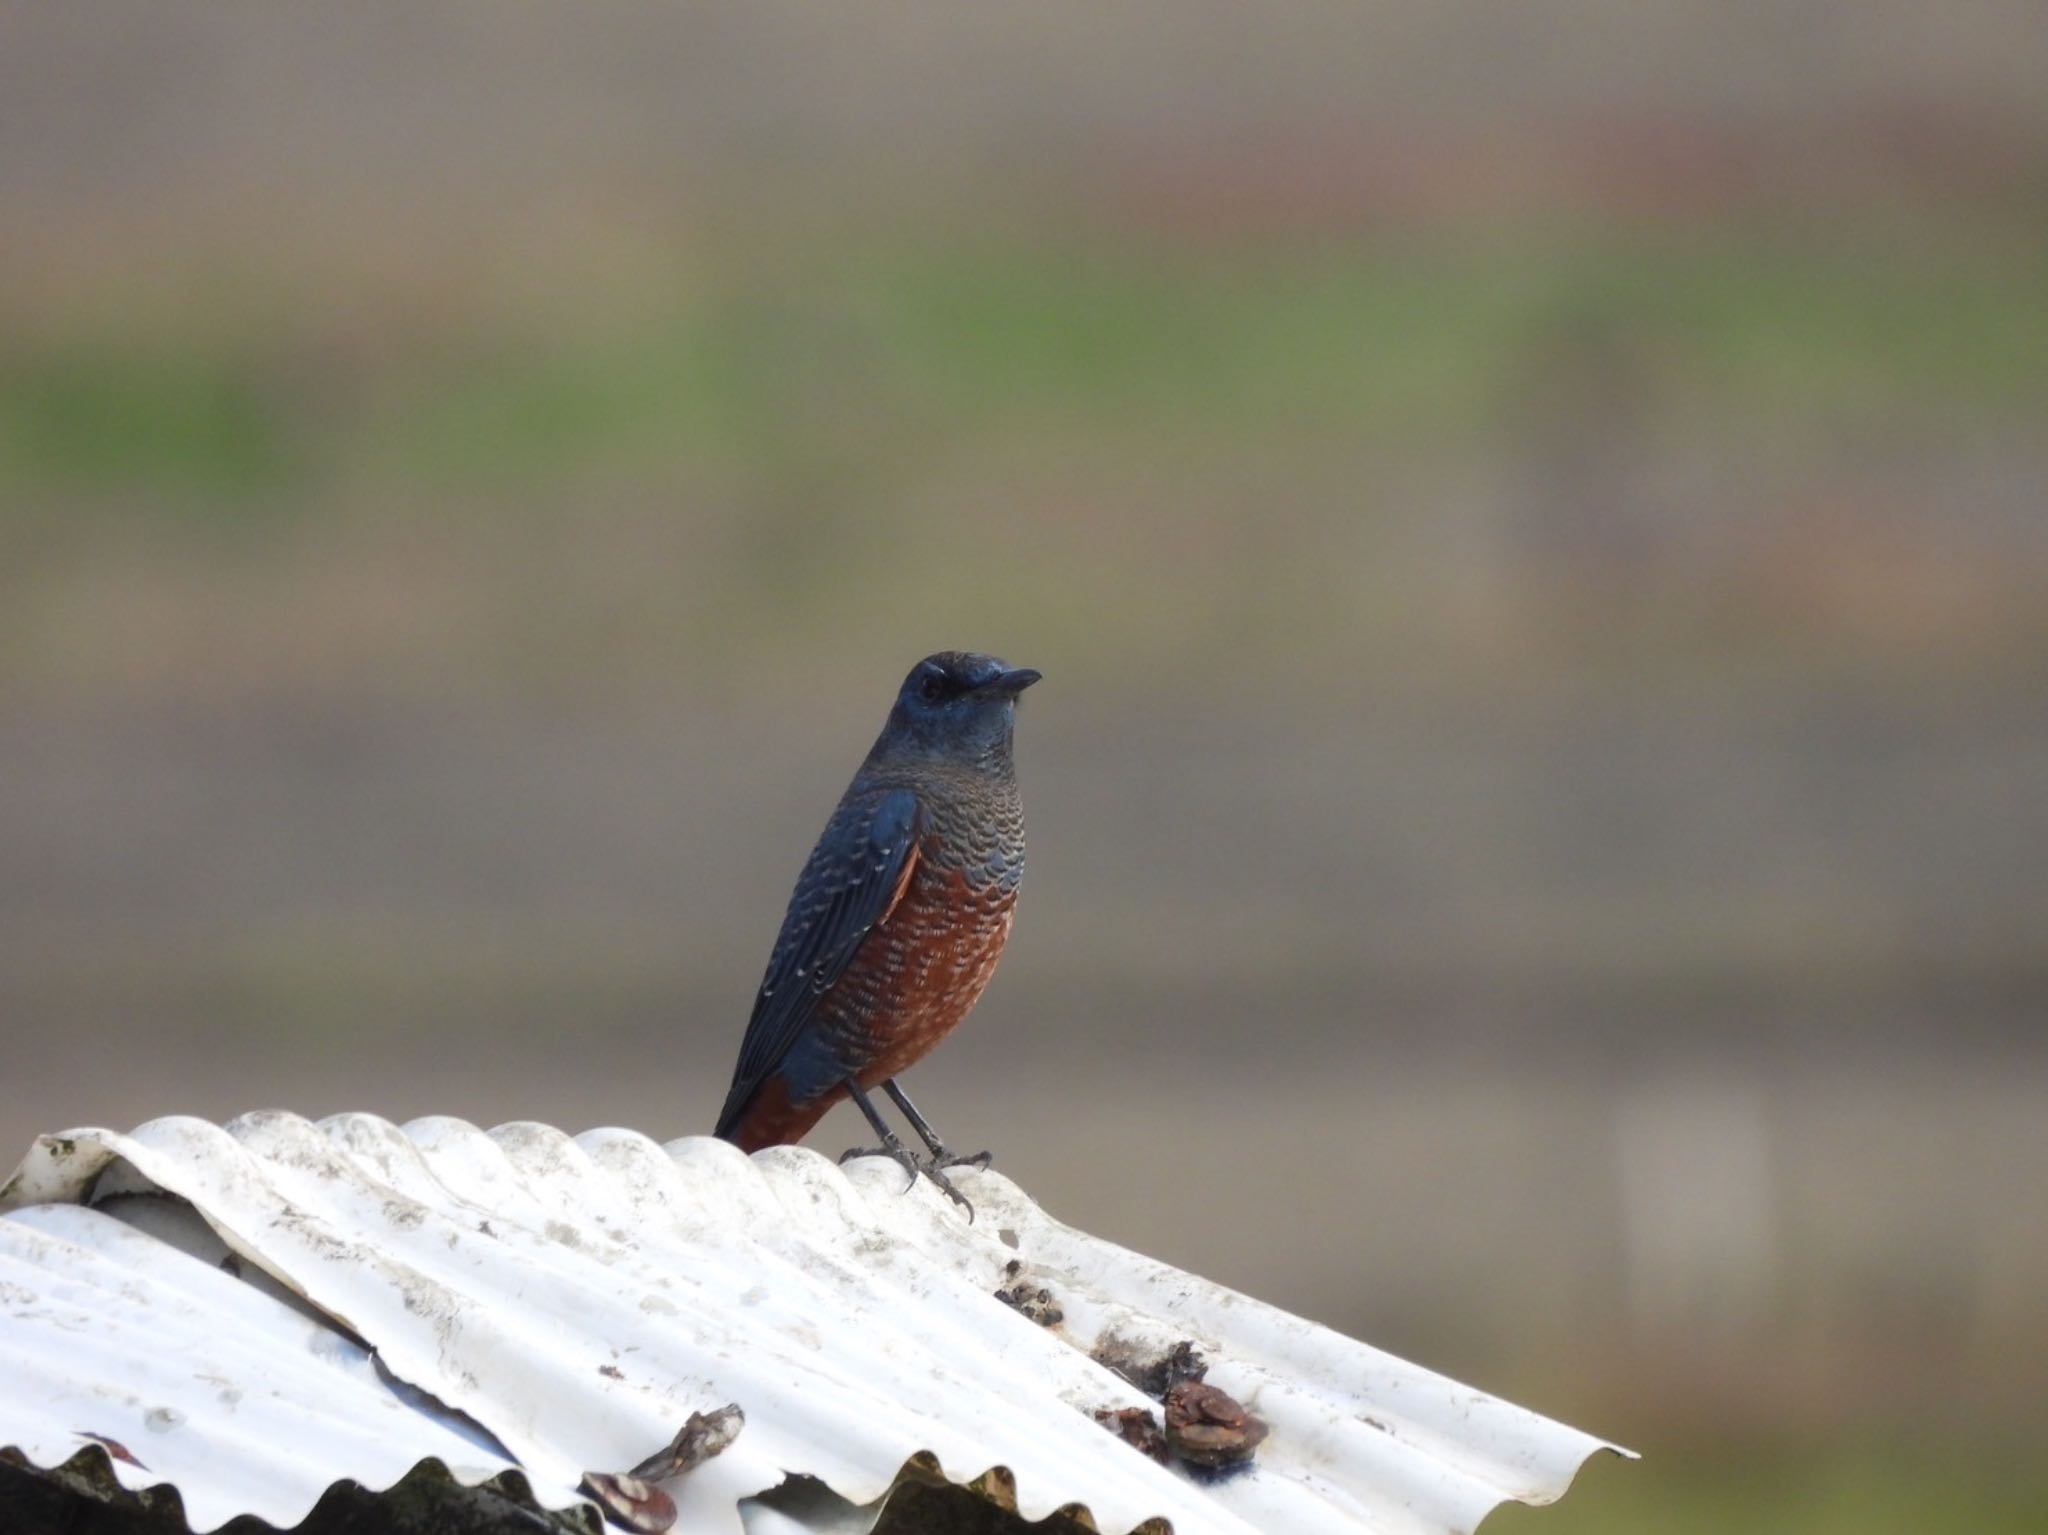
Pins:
x,y
903,1158
900,1155
981,1160
935,1170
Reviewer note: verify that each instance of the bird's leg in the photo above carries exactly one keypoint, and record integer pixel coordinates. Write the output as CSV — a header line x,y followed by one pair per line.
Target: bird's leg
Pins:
x,y
892,1147
941,1157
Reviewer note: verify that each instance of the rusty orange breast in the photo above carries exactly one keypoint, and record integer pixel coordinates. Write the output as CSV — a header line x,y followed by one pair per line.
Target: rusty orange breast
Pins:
x,y
921,971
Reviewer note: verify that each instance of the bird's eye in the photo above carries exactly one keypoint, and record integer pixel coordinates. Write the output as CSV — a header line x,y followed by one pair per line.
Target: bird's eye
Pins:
x,y
932,688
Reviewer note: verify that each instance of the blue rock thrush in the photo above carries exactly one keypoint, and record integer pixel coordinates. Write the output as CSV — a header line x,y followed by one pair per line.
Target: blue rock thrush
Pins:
x,y
898,918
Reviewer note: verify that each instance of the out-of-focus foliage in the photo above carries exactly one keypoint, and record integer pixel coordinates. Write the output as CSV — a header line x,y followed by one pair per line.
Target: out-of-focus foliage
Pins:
x,y
1533,524
1813,1488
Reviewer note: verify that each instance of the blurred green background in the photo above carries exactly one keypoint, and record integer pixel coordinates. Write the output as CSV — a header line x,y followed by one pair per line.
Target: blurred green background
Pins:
x,y
1536,527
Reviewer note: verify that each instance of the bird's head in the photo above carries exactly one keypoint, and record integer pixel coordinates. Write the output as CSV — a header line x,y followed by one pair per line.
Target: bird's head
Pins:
x,y
957,704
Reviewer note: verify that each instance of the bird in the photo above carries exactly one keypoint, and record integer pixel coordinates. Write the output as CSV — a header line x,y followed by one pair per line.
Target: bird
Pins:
x,y
897,920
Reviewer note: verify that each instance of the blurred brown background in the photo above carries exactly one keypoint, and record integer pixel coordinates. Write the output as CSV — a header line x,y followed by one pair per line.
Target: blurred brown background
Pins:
x,y
1535,522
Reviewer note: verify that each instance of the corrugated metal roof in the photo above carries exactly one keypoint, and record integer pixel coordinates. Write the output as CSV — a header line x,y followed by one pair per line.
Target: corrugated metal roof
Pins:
x,y
566,1304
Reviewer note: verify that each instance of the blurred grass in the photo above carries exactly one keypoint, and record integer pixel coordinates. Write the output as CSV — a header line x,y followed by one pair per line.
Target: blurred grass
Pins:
x,y
1558,600
766,361
1466,451
1837,1487
174,413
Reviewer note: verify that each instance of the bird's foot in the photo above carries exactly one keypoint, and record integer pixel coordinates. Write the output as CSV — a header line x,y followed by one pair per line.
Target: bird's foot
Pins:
x,y
903,1157
935,1170
899,1154
980,1159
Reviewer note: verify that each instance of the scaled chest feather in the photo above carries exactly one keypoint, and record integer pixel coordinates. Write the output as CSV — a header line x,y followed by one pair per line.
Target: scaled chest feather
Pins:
x,y
924,967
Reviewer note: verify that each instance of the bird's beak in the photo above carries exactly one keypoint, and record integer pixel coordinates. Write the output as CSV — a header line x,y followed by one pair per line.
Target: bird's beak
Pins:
x,y
1013,681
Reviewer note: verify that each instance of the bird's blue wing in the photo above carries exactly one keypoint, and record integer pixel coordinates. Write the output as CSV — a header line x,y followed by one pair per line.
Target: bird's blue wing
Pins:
x,y
853,878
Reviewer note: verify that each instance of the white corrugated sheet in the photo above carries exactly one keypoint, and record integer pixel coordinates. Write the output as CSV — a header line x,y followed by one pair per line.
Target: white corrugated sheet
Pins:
x,y
524,1299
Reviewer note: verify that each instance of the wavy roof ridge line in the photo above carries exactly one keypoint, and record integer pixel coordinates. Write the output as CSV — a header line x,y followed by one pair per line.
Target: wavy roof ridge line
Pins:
x,y
579,1296
89,1252
807,1184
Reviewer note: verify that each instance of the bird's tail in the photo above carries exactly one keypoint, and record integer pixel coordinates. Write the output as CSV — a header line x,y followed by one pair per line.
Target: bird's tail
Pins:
x,y
766,1117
